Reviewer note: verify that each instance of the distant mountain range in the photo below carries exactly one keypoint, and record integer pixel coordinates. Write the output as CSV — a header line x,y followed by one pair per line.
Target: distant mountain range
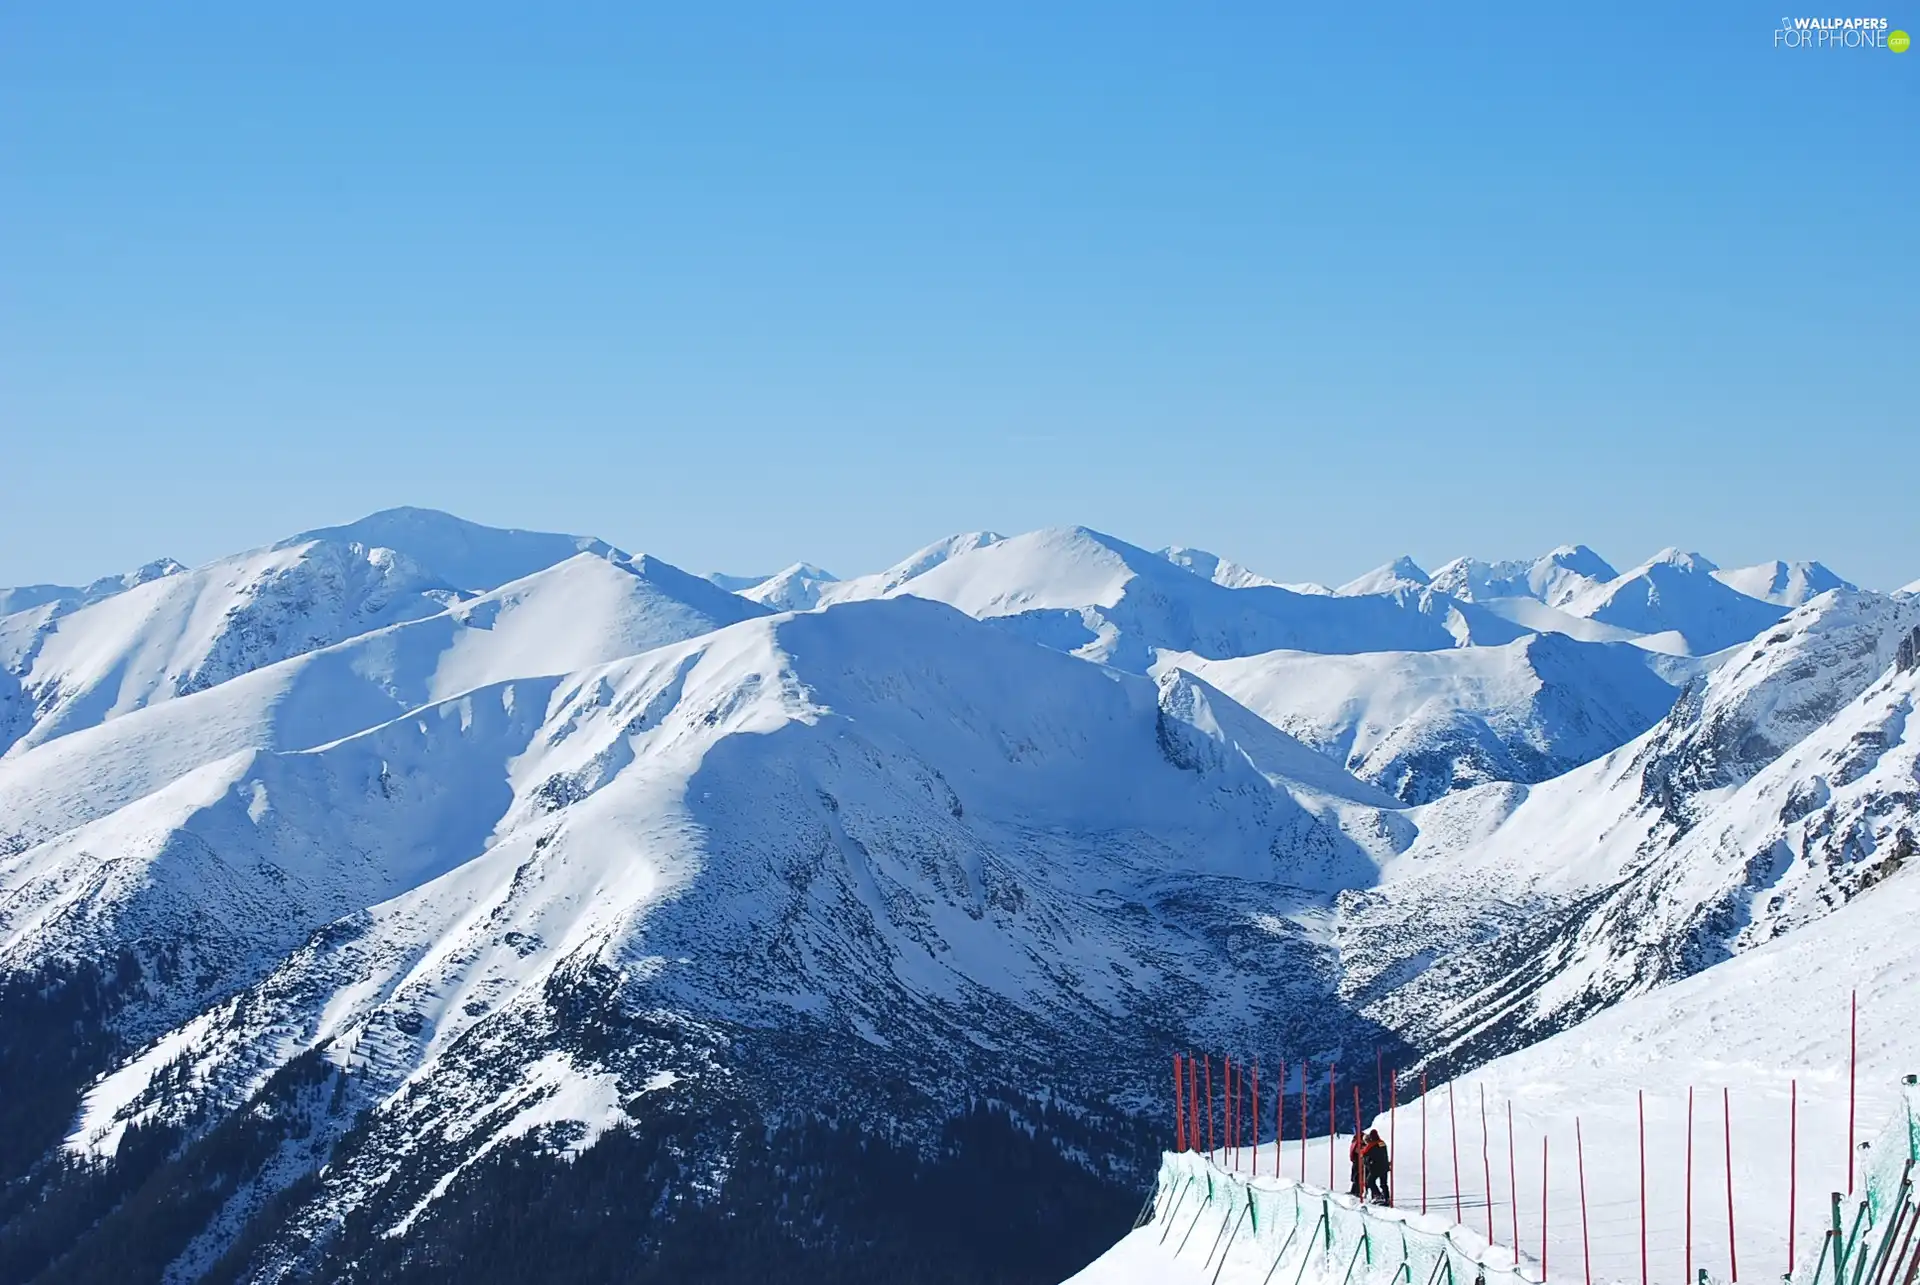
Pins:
x,y
354,886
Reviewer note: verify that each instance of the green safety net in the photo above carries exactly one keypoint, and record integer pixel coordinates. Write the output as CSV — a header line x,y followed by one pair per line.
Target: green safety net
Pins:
x,y
1873,1226
1275,1231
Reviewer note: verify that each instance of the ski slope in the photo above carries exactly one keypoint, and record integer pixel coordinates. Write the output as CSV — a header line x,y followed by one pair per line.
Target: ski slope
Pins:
x,y
1769,1028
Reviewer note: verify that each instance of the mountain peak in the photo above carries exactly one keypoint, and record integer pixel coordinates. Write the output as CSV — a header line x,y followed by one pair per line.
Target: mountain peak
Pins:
x,y
1582,560
465,554
797,588
1403,572
1789,584
1680,559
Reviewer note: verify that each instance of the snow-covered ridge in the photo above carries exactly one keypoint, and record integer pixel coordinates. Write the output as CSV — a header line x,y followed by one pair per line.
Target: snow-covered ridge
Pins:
x,y
1103,599
1554,579
1221,571
64,598
1425,724
192,631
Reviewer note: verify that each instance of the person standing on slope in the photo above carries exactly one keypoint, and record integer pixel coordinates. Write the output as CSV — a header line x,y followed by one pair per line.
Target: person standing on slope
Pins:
x,y
1378,1166
1355,1160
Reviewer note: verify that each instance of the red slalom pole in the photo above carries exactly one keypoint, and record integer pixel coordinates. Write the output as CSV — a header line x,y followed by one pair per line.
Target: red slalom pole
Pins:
x,y
1423,1140
1303,1124
1379,1083
1333,1121
1179,1109
1279,1118
1393,1128
1513,1181
1726,1114
1240,1113
1249,1118
1227,1135
1793,1164
1209,1105
1643,1187
1256,1118
1543,1207
1358,1130
1193,1104
1689,1224
1486,1165
1853,1066
1454,1129
1580,1160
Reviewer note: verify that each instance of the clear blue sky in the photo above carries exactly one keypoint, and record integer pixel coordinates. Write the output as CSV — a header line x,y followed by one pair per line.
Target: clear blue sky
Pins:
x,y
743,284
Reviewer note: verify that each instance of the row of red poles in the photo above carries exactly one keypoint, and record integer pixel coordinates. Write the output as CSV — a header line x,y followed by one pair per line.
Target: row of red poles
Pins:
x,y
1193,1082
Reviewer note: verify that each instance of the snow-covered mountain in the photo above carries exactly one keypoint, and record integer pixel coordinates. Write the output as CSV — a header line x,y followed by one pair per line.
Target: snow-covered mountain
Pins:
x,y
797,588
814,825
1425,724
190,631
1401,573
1790,584
1677,593
1554,579
353,886
1778,787
1103,599
1674,602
